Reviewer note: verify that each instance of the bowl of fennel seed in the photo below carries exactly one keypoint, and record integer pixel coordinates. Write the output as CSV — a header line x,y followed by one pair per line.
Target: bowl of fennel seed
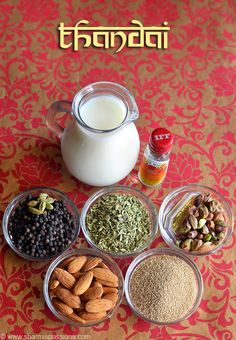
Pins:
x,y
119,221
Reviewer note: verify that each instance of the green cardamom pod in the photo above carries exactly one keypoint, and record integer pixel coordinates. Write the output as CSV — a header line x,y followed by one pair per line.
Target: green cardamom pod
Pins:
x,y
50,200
42,206
43,197
49,206
32,204
35,211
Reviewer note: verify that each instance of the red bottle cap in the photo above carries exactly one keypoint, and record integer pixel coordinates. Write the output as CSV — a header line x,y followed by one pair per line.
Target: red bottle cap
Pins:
x,y
161,141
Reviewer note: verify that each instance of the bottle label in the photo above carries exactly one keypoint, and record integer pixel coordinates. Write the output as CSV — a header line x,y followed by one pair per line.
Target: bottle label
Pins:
x,y
152,173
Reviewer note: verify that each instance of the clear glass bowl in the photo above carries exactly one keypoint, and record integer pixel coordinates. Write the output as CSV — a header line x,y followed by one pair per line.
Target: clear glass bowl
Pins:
x,y
156,252
35,192
175,201
128,191
89,252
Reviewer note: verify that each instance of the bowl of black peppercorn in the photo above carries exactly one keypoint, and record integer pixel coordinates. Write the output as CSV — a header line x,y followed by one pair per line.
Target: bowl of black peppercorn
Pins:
x,y
41,223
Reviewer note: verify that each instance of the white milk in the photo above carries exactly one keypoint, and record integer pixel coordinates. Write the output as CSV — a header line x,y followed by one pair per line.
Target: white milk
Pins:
x,y
101,159
103,112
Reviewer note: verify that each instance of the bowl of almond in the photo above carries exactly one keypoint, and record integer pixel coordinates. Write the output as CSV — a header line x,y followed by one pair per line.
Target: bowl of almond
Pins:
x,y
83,287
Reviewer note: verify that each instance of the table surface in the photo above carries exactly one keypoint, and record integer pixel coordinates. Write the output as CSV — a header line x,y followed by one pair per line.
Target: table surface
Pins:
x,y
189,88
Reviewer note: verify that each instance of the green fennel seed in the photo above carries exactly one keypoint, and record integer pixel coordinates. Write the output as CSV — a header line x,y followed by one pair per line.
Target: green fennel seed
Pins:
x,y
118,223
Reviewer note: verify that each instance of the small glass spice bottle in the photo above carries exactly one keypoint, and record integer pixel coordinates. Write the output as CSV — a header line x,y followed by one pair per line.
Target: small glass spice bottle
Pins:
x,y
156,156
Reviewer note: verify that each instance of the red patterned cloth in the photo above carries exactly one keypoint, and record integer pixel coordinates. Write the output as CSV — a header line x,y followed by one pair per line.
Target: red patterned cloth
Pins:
x,y
189,88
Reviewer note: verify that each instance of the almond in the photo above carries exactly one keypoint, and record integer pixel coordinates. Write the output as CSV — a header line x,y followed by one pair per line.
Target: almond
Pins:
x,y
103,265
66,279
104,274
108,283
91,263
98,305
81,308
76,264
109,290
92,293
76,317
78,274
92,316
65,262
53,291
53,284
67,297
96,284
61,307
83,283
113,297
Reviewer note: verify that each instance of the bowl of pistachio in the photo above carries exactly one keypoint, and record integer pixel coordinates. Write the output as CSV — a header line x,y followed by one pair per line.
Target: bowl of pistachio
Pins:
x,y
195,219
119,220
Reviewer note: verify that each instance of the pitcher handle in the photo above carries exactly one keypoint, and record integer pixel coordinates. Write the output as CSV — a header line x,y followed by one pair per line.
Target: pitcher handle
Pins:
x,y
60,106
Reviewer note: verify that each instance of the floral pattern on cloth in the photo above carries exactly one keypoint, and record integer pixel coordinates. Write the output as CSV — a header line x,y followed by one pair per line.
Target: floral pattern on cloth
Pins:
x,y
189,88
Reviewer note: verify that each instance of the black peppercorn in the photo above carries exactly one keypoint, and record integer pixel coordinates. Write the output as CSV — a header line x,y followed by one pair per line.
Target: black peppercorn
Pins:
x,y
44,235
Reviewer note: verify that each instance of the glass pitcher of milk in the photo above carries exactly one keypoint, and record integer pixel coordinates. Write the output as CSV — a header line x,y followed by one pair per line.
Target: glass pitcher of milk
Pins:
x,y
101,145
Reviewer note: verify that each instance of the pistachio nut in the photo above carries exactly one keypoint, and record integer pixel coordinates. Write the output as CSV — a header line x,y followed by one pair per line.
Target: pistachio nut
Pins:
x,y
204,230
192,209
210,225
186,245
193,221
192,234
201,223
183,229
220,223
210,216
185,222
206,247
207,198
213,237
198,200
219,228
178,243
221,235
200,236
218,216
196,244
203,211
212,206
207,238
182,237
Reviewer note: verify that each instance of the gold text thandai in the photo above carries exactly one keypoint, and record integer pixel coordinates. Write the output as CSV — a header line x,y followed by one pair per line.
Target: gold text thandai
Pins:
x,y
110,37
